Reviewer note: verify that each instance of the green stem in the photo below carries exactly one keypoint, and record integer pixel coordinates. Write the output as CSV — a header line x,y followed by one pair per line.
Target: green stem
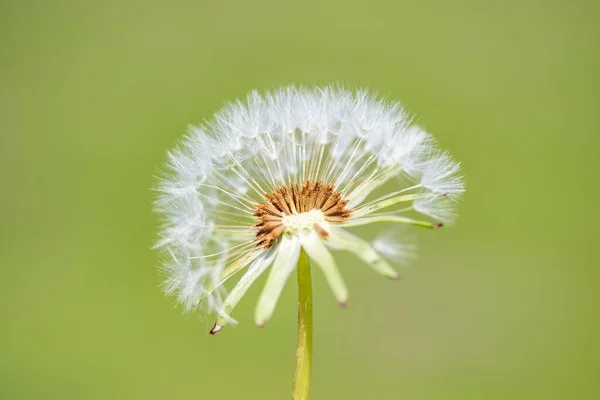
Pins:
x,y
304,342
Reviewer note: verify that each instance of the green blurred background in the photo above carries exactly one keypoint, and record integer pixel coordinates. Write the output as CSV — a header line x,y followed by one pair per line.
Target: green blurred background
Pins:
x,y
503,306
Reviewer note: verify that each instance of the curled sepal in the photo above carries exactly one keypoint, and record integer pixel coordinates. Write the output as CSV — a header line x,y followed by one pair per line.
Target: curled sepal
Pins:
x,y
320,255
342,240
259,265
238,265
288,252
393,218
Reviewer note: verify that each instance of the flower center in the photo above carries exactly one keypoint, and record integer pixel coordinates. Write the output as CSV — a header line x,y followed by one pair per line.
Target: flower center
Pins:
x,y
304,222
298,209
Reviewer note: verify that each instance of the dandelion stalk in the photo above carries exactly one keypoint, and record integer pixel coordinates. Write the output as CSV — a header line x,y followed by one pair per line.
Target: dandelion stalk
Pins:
x,y
304,342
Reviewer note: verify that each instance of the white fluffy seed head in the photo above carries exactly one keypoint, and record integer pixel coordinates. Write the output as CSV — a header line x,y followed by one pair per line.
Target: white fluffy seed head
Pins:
x,y
351,140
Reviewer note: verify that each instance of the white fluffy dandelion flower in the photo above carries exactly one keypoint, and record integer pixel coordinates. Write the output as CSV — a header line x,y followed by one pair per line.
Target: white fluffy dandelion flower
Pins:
x,y
294,169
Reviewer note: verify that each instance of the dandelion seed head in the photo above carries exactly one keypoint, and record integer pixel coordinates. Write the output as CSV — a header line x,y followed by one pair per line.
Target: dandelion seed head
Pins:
x,y
292,169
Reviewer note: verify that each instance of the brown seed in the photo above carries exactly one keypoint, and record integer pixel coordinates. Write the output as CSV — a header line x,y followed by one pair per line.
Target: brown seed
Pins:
x,y
295,200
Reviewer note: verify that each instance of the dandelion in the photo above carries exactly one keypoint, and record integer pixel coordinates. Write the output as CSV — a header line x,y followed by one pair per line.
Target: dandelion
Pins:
x,y
273,184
